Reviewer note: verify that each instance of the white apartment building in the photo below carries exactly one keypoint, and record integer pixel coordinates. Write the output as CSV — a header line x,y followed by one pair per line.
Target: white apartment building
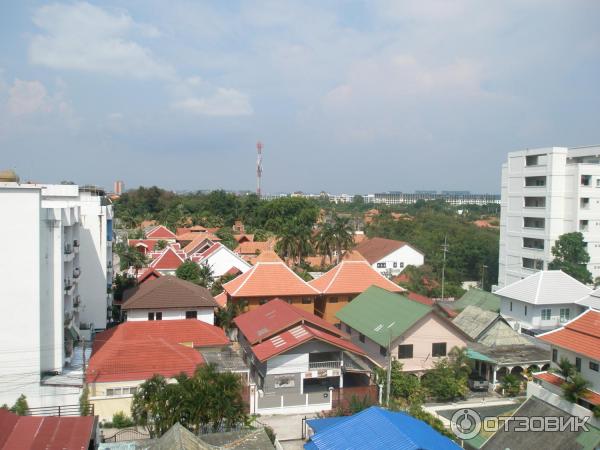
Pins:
x,y
42,295
547,192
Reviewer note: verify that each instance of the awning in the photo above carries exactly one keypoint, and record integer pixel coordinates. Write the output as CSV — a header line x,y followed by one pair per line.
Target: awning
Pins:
x,y
472,354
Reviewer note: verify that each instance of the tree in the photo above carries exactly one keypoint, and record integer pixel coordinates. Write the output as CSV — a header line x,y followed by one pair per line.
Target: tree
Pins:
x,y
571,256
189,271
160,245
460,362
343,236
511,385
226,315
402,385
149,406
565,368
294,242
575,387
120,420
324,241
84,403
443,383
130,257
20,407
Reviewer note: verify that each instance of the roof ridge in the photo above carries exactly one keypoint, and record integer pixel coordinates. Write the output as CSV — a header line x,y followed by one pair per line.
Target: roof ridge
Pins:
x,y
250,274
539,287
339,269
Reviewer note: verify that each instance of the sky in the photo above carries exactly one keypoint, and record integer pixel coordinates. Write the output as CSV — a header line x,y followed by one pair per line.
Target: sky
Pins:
x,y
346,96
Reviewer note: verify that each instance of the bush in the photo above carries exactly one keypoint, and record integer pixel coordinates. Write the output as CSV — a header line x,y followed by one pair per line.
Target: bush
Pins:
x,y
511,385
120,420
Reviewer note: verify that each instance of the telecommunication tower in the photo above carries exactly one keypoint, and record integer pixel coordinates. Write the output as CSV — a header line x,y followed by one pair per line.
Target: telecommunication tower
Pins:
x,y
259,147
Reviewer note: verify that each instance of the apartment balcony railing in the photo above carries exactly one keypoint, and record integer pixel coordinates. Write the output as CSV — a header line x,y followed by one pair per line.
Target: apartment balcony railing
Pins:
x,y
68,319
324,365
68,284
77,301
68,249
76,272
109,264
64,410
75,243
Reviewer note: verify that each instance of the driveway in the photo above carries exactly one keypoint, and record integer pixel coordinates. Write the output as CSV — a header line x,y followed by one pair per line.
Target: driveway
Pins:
x,y
286,428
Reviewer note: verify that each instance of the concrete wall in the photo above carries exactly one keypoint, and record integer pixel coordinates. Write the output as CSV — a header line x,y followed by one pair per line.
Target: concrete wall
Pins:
x,y
533,318
223,260
106,406
590,375
396,261
204,314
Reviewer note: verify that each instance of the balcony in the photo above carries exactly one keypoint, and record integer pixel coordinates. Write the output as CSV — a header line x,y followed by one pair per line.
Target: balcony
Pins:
x,y
68,249
324,365
68,283
77,301
76,272
76,246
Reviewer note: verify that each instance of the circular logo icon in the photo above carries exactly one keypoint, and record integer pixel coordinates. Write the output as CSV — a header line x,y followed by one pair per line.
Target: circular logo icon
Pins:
x,y
465,423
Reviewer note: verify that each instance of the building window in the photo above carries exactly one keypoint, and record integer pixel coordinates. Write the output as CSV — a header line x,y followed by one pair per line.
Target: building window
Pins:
x,y
535,264
348,329
584,225
283,381
546,313
158,316
382,350
438,349
535,181
405,351
535,202
401,265
534,222
578,364
395,264
586,180
584,203
262,301
536,244
112,392
594,366
191,314
565,314
150,316
525,310
532,160
306,301
554,355
381,265
332,300
361,337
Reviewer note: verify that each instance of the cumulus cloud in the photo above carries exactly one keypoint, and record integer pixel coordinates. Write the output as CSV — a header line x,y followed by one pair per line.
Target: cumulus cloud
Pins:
x,y
224,102
28,97
82,36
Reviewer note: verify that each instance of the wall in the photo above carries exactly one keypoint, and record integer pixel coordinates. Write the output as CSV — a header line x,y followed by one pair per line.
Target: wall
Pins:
x,y
106,407
223,260
330,308
254,302
404,256
590,375
204,314
533,319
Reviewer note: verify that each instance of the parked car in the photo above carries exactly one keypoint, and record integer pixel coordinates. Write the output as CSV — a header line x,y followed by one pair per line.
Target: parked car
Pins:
x,y
478,383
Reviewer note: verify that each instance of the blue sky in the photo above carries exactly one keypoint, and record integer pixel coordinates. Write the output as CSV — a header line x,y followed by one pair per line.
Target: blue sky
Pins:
x,y
347,96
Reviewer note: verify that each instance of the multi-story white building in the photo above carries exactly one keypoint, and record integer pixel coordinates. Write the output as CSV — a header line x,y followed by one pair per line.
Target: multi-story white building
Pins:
x,y
547,192
43,299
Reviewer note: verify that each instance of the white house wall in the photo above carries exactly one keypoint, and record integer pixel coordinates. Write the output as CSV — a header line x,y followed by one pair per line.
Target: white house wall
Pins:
x,y
590,375
404,256
222,260
291,363
204,314
533,319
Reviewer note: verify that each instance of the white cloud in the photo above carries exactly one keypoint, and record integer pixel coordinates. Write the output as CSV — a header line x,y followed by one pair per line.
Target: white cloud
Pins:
x,y
28,97
85,37
224,102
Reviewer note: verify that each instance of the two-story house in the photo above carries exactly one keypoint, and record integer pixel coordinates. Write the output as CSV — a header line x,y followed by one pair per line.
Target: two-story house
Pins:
x,y
389,257
544,301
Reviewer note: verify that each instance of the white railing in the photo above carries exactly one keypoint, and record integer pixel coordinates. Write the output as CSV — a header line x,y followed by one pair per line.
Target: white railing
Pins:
x,y
324,365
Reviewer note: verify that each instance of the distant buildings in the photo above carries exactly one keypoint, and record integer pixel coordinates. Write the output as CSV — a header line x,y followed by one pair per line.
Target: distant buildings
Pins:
x,y
57,242
547,192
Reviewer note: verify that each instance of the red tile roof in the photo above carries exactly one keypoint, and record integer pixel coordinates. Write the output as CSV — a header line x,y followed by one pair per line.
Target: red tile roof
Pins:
x,y
581,335
45,432
137,350
169,259
192,229
160,232
147,274
221,300
198,242
589,395
274,316
420,298
377,248
255,247
148,244
270,277
352,277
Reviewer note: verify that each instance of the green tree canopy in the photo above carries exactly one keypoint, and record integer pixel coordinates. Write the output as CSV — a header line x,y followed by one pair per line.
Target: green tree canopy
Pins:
x,y
571,256
189,271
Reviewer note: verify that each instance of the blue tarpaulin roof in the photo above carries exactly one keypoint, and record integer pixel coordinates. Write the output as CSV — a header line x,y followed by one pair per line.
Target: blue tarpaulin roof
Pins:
x,y
376,429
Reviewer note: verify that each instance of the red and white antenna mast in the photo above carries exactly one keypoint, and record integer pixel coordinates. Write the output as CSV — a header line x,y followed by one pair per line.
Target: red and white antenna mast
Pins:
x,y
259,147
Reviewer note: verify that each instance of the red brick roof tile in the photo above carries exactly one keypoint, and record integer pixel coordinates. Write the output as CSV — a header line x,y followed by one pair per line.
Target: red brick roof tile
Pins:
x,y
169,259
581,335
160,232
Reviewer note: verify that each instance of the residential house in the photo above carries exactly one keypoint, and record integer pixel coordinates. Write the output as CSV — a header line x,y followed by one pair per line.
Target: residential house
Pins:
x,y
513,435
147,274
268,279
125,356
376,428
47,432
168,260
344,282
250,250
543,301
295,357
497,349
187,238
390,257
144,246
169,298
159,233
477,297
221,260
52,234
579,342
417,335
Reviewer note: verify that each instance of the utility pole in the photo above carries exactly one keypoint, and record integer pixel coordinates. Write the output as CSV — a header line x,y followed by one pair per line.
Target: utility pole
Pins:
x,y
389,369
445,248
483,269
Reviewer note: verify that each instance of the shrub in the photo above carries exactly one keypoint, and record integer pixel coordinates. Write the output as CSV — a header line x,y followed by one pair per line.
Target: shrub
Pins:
x,y
120,420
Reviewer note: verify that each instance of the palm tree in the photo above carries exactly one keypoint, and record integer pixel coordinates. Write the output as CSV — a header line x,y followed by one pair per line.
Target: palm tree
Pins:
x,y
460,361
205,276
343,236
130,257
323,242
286,243
565,368
574,387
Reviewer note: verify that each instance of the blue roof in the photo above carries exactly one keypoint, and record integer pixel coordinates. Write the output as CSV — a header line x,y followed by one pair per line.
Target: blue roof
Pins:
x,y
376,429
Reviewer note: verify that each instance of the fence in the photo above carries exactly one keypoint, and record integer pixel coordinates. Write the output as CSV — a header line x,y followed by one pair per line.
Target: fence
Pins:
x,y
342,398
65,410
126,434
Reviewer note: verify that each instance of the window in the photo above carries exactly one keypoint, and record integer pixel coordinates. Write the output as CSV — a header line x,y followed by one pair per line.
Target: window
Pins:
x,y
382,350
158,316
525,309
405,351
586,180
511,306
381,265
546,313
565,313
554,355
532,160
306,301
535,181
597,182
401,265
112,392
361,337
534,222
535,202
438,349
191,314
535,264
584,203
537,244
584,225
151,316
348,329
594,366
262,301
332,300
395,264
578,364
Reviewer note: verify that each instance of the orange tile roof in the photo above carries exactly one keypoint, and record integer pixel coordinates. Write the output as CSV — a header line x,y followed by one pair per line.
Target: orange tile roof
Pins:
x,y
270,277
160,232
589,395
352,277
137,350
198,240
197,237
192,229
581,335
254,247
168,260
221,299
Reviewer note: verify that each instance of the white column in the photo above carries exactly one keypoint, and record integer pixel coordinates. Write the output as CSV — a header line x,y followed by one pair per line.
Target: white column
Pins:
x,y
494,370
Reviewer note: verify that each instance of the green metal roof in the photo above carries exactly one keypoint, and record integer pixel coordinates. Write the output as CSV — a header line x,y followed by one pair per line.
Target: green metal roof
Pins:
x,y
472,354
376,312
477,297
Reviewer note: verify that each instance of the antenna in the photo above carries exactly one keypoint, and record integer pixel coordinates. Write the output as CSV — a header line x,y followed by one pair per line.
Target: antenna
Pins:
x,y
259,147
